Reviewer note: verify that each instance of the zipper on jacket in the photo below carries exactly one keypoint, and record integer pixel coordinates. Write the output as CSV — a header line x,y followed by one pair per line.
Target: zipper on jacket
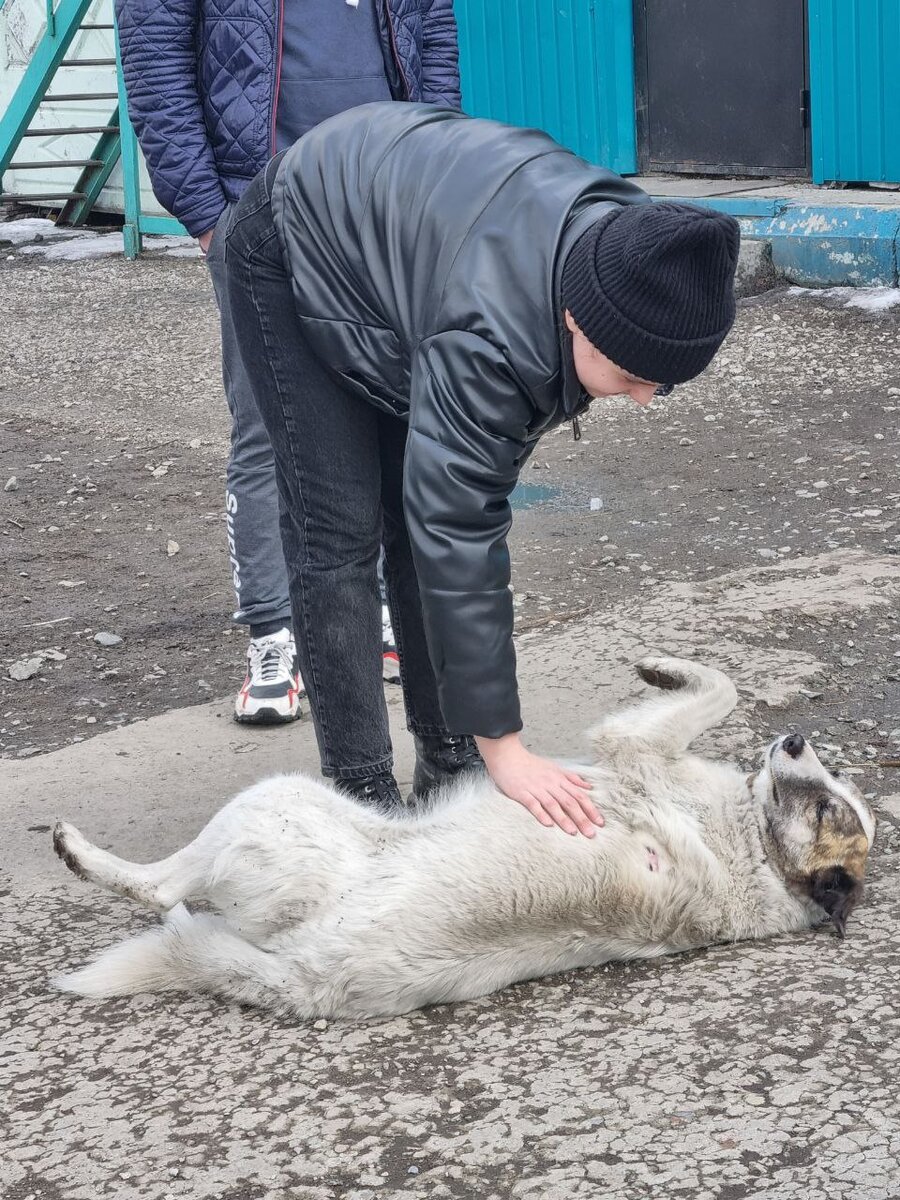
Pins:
x,y
390,24
279,33
576,430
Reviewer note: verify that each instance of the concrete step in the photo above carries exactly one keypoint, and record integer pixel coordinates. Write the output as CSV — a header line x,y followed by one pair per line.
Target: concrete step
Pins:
x,y
812,236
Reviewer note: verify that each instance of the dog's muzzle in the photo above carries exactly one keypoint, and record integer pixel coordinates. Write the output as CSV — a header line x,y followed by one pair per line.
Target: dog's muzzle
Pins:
x,y
793,744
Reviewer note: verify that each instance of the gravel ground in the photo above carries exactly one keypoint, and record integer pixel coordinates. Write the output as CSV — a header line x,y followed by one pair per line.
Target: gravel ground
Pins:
x,y
115,432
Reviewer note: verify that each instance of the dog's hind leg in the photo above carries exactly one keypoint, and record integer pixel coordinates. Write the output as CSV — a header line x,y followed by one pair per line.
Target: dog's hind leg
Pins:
x,y
160,885
197,952
700,698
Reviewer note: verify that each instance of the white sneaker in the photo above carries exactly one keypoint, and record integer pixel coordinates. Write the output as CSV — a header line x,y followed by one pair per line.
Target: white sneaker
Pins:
x,y
271,691
390,659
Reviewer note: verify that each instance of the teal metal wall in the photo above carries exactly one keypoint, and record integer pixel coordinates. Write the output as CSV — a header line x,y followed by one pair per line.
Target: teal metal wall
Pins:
x,y
566,66
854,69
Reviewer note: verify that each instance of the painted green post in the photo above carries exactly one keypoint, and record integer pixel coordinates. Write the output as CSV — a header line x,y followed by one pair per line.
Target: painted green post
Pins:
x,y
131,177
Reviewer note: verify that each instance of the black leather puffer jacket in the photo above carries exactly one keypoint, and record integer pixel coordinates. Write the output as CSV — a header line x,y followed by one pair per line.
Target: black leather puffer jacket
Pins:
x,y
425,249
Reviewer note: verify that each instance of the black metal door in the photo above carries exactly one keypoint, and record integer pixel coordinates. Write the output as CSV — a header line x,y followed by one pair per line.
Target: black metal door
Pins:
x,y
722,86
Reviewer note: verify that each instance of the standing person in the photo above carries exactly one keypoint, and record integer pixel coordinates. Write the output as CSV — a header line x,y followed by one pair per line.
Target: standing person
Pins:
x,y
213,91
425,295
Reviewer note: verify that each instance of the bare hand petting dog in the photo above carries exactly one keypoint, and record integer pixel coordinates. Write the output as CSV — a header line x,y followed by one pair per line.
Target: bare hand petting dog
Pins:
x,y
551,793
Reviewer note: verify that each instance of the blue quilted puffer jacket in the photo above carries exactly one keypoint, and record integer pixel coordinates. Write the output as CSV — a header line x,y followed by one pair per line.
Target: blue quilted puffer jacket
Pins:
x,y
201,78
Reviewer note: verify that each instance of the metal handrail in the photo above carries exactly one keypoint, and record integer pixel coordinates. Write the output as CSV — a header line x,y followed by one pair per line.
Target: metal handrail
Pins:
x,y
50,96
69,129
27,199
54,163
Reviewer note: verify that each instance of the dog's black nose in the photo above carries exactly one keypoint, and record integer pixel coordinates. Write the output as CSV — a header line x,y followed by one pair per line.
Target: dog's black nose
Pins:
x,y
793,744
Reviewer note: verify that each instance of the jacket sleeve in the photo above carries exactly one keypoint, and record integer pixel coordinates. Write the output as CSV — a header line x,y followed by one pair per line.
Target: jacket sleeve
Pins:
x,y
440,55
159,61
469,418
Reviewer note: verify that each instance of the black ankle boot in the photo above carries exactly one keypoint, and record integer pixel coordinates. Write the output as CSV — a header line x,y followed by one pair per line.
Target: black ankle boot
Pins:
x,y
376,791
440,759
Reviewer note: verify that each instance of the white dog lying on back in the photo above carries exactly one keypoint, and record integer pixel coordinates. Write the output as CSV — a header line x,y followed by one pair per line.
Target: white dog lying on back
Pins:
x,y
334,910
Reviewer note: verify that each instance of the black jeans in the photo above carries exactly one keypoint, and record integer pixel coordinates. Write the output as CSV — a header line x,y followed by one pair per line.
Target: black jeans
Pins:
x,y
339,467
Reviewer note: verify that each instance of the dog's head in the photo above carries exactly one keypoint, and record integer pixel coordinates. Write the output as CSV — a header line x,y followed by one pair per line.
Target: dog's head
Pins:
x,y
820,823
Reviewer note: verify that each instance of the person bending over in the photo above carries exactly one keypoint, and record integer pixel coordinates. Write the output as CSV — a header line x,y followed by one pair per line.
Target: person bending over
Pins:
x,y
419,296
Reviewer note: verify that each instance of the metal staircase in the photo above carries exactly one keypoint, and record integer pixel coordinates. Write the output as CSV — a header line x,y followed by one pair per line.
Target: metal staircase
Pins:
x,y
116,141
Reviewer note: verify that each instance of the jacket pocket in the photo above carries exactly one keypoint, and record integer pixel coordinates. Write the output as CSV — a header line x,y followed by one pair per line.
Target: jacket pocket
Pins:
x,y
368,358
236,76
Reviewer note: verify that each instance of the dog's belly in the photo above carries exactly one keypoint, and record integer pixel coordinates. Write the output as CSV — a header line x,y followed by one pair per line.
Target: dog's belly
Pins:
x,y
453,926
459,905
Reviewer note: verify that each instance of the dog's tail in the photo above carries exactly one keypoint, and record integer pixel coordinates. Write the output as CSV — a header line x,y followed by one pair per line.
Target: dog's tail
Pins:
x,y
156,961
188,952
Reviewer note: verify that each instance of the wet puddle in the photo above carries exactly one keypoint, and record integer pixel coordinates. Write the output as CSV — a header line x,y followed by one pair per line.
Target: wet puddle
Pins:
x,y
535,495
529,495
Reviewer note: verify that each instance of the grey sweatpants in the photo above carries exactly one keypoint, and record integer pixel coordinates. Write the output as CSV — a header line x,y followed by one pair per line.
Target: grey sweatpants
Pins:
x,y
258,570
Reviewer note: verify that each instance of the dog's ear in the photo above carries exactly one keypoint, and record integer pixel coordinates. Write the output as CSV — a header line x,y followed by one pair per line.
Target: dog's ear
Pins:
x,y
838,892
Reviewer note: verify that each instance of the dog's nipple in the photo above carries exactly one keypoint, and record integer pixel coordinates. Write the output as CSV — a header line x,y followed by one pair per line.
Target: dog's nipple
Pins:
x,y
652,859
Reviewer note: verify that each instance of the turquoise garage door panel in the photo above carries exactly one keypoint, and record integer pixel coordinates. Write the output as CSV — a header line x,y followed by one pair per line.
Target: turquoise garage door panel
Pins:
x,y
854,79
567,68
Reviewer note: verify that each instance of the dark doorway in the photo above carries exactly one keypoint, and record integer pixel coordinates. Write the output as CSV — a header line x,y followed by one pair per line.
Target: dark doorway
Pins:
x,y
722,87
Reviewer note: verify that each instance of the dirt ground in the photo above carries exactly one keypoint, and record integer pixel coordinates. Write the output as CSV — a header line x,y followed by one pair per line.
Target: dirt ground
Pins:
x,y
113,440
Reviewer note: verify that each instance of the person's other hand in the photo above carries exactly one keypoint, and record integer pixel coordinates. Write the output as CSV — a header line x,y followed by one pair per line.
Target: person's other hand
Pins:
x,y
551,793
204,239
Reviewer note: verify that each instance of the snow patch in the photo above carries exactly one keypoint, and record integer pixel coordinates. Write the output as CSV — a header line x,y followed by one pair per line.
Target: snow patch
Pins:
x,y
37,235
83,245
30,228
870,299
174,247
874,299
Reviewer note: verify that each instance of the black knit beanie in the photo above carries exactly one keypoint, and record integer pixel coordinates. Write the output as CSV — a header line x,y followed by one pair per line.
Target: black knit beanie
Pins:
x,y
652,287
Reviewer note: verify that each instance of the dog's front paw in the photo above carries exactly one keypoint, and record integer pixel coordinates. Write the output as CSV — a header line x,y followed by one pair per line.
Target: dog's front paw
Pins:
x,y
670,674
